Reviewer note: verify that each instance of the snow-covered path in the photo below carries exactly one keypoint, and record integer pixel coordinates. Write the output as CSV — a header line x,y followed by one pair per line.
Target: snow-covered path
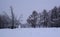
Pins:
x,y
30,32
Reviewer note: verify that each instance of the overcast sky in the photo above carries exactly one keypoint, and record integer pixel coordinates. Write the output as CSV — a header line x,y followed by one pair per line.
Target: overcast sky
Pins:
x,y
26,7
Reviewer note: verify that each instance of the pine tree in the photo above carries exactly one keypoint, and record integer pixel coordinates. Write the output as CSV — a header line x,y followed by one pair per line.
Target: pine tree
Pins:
x,y
58,15
33,19
45,18
54,17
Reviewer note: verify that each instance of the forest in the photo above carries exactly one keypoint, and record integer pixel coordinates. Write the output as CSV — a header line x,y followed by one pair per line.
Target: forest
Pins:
x,y
44,19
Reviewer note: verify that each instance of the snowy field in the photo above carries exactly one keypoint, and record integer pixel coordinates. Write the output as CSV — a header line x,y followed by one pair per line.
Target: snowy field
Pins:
x,y
30,32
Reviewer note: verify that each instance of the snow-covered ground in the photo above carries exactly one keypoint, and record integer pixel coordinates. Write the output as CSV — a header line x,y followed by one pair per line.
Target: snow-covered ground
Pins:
x,y
30,32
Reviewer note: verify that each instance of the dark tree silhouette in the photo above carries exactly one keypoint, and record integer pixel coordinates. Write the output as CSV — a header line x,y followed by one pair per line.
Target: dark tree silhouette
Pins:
x,y
12,17
15,22
7,22
54,17
45,18
33,19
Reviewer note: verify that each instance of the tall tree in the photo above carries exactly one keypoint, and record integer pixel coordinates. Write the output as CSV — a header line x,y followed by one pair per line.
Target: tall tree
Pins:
x,y
45,18
33,19
12,17
54,13
58,17
54,17
15,22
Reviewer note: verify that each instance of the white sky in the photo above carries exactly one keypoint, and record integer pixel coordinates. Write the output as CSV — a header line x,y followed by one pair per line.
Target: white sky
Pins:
x,y
26,7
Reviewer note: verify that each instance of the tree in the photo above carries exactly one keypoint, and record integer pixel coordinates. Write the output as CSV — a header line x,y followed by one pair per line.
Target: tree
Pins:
x,y
12,17
54,13
1,22
54,17
58,17
15,22
4,21
33,19
39,18
45,18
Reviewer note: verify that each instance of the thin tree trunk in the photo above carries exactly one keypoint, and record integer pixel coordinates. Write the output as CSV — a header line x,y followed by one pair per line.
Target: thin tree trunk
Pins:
x,y
12,17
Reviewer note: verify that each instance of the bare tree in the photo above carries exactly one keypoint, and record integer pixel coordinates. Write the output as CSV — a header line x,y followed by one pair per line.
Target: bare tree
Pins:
x,y
15,22
12,17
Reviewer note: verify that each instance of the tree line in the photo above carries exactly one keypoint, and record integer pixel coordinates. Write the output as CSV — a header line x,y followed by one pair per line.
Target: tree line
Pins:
x,y
45,18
